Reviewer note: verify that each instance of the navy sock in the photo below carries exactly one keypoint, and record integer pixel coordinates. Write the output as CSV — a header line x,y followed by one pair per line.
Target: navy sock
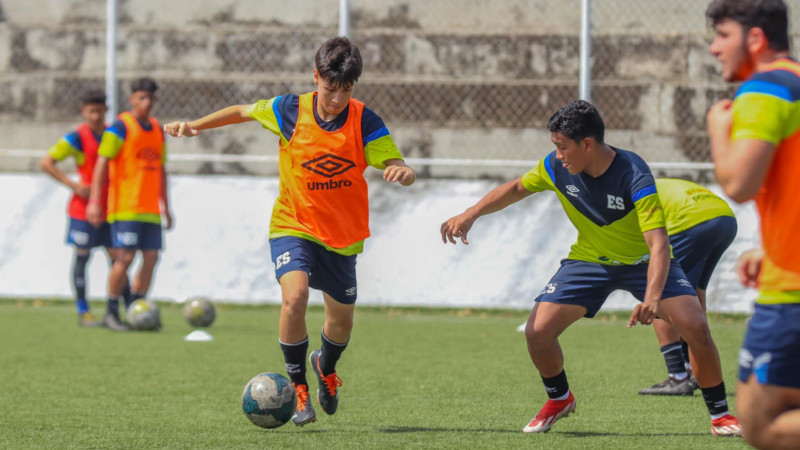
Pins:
x,y
716,399
79,282
112,306
673,358
294,356
556,386
132,296
329,355
127,297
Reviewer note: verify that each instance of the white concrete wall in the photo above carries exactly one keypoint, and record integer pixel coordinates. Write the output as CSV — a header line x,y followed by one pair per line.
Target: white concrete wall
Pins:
x,y
219,246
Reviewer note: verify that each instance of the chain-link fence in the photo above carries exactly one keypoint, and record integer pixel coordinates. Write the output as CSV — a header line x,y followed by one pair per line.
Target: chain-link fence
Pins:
x,y
460,81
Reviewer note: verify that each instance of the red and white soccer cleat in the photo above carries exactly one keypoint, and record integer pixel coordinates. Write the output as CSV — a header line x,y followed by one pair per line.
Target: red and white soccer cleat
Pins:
x,y
727,425
550,412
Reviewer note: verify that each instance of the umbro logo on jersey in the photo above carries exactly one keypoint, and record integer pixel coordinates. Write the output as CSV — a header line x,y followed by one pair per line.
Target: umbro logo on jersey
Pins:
x,y
329,165
572,190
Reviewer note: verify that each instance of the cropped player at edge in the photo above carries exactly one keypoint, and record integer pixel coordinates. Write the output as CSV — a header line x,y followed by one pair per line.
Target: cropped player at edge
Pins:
x,y
755,145
610,196
321,216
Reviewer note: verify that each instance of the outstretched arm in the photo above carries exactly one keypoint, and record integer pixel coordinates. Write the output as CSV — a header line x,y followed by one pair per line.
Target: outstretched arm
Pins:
x,y
497,199
397,170
226,116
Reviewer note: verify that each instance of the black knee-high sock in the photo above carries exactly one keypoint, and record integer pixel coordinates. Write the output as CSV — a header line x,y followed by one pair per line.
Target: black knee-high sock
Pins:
x,y
331,351
716,400
112,306
79,281
127,297
673,358
557,386
294,356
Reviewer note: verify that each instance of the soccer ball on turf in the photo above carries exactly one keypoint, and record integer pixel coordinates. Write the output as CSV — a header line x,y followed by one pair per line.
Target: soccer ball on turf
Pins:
x,y
269,400
144,316
199,312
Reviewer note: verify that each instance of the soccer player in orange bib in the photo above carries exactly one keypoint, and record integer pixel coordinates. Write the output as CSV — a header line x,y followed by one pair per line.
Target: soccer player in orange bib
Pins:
x,y
82,145
321,216
132,153
755,145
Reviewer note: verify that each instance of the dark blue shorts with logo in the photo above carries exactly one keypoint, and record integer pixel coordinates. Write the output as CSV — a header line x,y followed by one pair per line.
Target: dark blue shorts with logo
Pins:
x,y
328,271
588,284
83,235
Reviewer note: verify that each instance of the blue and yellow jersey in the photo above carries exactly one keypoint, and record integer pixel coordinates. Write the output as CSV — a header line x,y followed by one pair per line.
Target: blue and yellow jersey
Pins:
x,y
70,145
114,138
688,204
610,212
767,108
302,208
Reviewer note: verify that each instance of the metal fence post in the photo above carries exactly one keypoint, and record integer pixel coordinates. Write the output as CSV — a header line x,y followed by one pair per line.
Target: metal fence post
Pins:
x,y
586,51
111,60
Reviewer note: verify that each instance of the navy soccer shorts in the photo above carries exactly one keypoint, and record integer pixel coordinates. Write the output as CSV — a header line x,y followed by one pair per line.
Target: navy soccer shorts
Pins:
x,y
132,235
699,248
588,284
83,235
771,348
328,271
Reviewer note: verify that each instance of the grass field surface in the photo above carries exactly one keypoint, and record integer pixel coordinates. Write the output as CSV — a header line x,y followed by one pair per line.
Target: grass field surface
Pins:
x,y
412,378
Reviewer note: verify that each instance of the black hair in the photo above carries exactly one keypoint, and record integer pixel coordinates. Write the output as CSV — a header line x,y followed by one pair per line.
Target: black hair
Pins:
x,y
93,96
144,84
578,120
771,16
338,62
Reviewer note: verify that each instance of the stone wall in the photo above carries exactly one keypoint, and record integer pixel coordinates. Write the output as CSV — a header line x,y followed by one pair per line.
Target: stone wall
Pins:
x,y
452,79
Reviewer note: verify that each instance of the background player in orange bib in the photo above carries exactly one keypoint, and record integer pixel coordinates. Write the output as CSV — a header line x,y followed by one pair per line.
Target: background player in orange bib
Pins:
x,y
321,216
132,153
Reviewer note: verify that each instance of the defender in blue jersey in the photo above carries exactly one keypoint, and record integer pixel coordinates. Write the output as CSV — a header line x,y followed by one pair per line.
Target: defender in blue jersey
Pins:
x,y
610,196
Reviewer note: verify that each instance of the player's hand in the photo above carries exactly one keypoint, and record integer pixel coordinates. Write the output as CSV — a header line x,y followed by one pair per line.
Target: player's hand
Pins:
x,y
167,220
180,129
94,214
81,190
644,313
748,267
457,227
720,117
399,174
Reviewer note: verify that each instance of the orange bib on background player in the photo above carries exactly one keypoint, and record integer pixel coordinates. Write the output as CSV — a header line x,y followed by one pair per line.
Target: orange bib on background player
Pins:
x,y
323,192
135,175
89,145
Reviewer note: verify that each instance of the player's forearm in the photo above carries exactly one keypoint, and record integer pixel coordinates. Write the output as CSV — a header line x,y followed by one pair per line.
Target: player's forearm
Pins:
x,y
499,198
164,191
47,164
740,166
226,116
98,178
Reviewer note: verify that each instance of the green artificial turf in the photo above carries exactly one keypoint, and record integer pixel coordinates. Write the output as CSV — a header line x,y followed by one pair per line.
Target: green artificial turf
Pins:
x,y
420,378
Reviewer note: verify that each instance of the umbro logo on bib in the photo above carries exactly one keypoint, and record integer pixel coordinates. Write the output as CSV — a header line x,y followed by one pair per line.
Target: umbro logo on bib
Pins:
x,y
329,165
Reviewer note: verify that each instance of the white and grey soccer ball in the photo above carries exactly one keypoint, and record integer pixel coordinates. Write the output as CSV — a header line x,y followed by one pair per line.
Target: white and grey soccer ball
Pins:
x,y
199,312
269,400
144,316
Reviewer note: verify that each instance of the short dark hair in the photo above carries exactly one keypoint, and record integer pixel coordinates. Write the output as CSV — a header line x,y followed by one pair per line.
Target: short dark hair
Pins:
x,y
578,120
338,61
771,16
93,96
144,84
